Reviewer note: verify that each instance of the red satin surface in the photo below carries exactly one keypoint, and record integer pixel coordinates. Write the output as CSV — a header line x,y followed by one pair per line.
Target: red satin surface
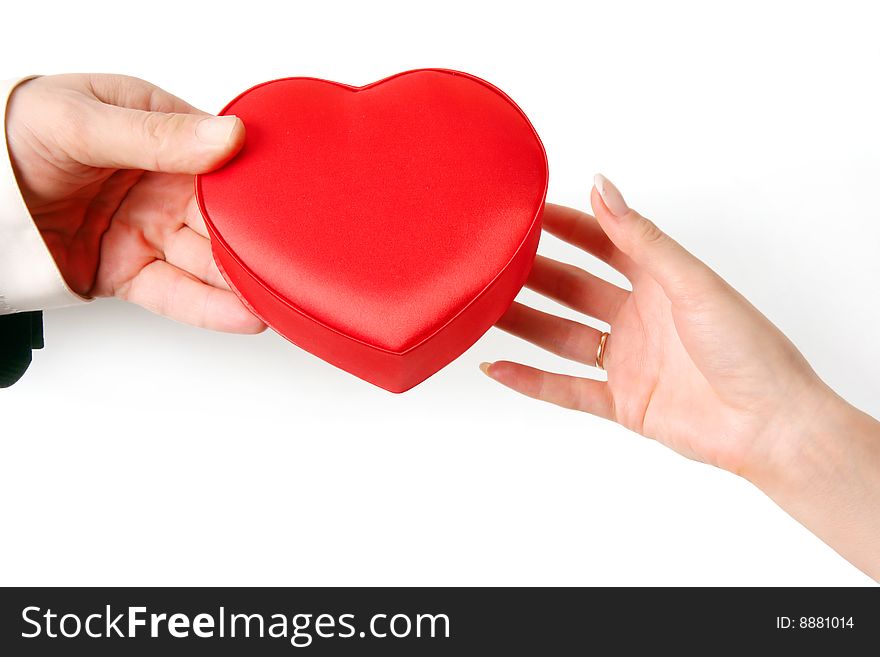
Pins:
x,y
384,228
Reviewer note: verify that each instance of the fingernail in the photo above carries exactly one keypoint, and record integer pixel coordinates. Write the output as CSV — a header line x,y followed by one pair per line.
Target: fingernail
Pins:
x,y
610,195
485,367
216,131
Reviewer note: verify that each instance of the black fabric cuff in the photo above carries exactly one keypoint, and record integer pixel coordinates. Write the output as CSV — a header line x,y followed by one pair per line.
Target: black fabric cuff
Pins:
x,y
20,333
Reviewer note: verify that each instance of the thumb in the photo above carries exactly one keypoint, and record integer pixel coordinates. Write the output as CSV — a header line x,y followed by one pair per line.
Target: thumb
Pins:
x,y
122,138
676,269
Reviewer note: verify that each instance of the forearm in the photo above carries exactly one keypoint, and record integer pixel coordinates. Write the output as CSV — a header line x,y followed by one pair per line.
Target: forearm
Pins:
x,y
828,478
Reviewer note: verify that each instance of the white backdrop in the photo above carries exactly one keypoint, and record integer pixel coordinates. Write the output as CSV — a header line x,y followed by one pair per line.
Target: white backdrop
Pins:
x,y
140,451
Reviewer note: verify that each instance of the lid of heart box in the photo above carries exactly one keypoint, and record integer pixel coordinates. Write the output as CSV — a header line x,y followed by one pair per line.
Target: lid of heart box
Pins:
x,y
384,228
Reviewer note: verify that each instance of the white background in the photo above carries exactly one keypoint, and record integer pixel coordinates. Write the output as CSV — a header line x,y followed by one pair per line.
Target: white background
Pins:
x,y
140,451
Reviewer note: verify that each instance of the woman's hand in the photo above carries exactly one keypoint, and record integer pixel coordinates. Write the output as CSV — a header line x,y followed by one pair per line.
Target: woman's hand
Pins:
x,y
692,364
105,164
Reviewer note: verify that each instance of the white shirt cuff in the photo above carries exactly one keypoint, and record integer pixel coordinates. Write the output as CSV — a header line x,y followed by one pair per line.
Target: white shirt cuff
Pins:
x,y
29,277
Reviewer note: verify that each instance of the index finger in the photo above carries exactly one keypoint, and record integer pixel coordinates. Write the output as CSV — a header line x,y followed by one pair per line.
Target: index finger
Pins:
x,y
583,231
134,93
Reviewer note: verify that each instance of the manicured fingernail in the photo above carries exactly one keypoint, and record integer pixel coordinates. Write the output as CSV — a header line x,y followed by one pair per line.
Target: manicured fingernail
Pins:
x,y
610,195
216,131
485,367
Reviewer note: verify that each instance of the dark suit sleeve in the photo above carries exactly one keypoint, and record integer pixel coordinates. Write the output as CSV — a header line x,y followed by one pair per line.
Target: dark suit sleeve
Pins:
x,y
20,333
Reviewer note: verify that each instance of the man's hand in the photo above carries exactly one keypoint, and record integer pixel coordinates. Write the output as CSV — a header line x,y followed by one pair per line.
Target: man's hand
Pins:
x,y
105,164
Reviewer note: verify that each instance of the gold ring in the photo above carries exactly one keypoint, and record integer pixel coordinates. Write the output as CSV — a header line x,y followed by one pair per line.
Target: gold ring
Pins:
x,y
600,352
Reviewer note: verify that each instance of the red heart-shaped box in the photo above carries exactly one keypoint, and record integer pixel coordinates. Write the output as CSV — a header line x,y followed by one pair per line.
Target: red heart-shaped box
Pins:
x,y
383,228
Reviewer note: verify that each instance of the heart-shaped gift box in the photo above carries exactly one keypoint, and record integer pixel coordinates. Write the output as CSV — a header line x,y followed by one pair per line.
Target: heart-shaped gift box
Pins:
x,y
383,228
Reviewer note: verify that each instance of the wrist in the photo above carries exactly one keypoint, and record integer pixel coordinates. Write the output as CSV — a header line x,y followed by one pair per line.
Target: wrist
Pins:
x,y
825,473
807,444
